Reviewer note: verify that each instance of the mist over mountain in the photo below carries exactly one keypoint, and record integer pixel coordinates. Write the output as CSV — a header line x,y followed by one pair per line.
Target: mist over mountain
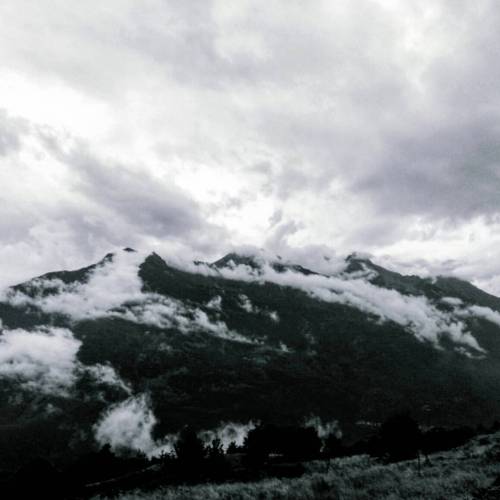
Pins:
x,y
129,350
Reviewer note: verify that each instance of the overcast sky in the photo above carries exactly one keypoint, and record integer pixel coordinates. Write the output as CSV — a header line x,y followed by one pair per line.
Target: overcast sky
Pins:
x,y
191,127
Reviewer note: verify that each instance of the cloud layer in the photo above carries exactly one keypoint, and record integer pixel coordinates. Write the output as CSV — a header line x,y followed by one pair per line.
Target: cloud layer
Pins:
x,y
193,128
417,314
114,289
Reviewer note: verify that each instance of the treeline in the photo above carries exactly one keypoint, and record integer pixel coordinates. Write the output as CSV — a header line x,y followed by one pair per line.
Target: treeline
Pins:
x,y
268,450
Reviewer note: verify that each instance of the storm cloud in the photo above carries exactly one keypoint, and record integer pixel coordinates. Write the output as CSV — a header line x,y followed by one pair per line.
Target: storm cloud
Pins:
x,y
197,127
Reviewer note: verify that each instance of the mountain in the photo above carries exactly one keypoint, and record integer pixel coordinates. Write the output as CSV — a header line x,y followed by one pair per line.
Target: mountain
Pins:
x,y
130,349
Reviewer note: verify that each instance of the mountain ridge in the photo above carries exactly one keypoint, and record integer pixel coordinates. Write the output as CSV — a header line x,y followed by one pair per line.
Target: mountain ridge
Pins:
x,y
227,342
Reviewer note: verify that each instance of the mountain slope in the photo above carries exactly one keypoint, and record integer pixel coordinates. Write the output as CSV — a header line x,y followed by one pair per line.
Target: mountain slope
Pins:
x,y
137,342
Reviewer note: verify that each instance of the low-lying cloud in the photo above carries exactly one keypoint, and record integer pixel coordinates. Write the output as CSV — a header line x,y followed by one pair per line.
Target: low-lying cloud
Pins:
x,y
246,304
228,432
417,314
324,429
128,426
114,289
45,360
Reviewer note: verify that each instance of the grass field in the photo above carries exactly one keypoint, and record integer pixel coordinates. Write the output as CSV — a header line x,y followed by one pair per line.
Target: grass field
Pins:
x,y
463,473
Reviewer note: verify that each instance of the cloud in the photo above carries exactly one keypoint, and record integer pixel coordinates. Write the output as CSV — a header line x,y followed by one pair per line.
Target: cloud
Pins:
x,y
215,303
480,312
453,301
84,204
324,429
246,304
43,360
106,374
127,426
227,432
348,124
11,130
110,285
114,289
416,314
141,200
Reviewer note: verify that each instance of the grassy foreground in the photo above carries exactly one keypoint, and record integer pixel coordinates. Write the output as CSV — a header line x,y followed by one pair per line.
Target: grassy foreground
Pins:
x,y
463,473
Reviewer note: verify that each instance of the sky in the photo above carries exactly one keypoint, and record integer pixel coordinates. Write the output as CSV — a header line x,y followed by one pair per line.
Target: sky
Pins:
x,y
305,128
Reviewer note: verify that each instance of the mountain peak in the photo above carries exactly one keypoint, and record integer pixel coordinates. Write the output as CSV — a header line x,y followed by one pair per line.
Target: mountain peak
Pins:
x,y
256,262
358,261
236,259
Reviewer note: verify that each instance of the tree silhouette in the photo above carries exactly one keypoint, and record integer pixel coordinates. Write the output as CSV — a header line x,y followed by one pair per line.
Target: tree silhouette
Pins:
x,y
439,438
190,453
37,478
332,446
215,449
257,445
217,466
298,443
292,442
232,448
400,438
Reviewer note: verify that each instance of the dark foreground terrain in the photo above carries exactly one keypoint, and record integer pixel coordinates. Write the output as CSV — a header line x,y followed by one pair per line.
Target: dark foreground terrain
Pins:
x,y
467,472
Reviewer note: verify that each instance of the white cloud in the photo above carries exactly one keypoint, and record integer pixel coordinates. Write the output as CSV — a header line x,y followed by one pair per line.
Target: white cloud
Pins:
x,y
228,432
481,312
274,316
415,313
246,304
45,360
284,348
42,360
114,289
453,301
108,287
215,303
106,374
335,124
324,429
128,426
217,328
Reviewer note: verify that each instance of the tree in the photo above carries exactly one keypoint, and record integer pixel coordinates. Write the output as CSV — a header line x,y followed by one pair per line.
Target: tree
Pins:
x,y
400,438
298,443
217,466
190,453
332,446
232,448
292,442
215,449
257,445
